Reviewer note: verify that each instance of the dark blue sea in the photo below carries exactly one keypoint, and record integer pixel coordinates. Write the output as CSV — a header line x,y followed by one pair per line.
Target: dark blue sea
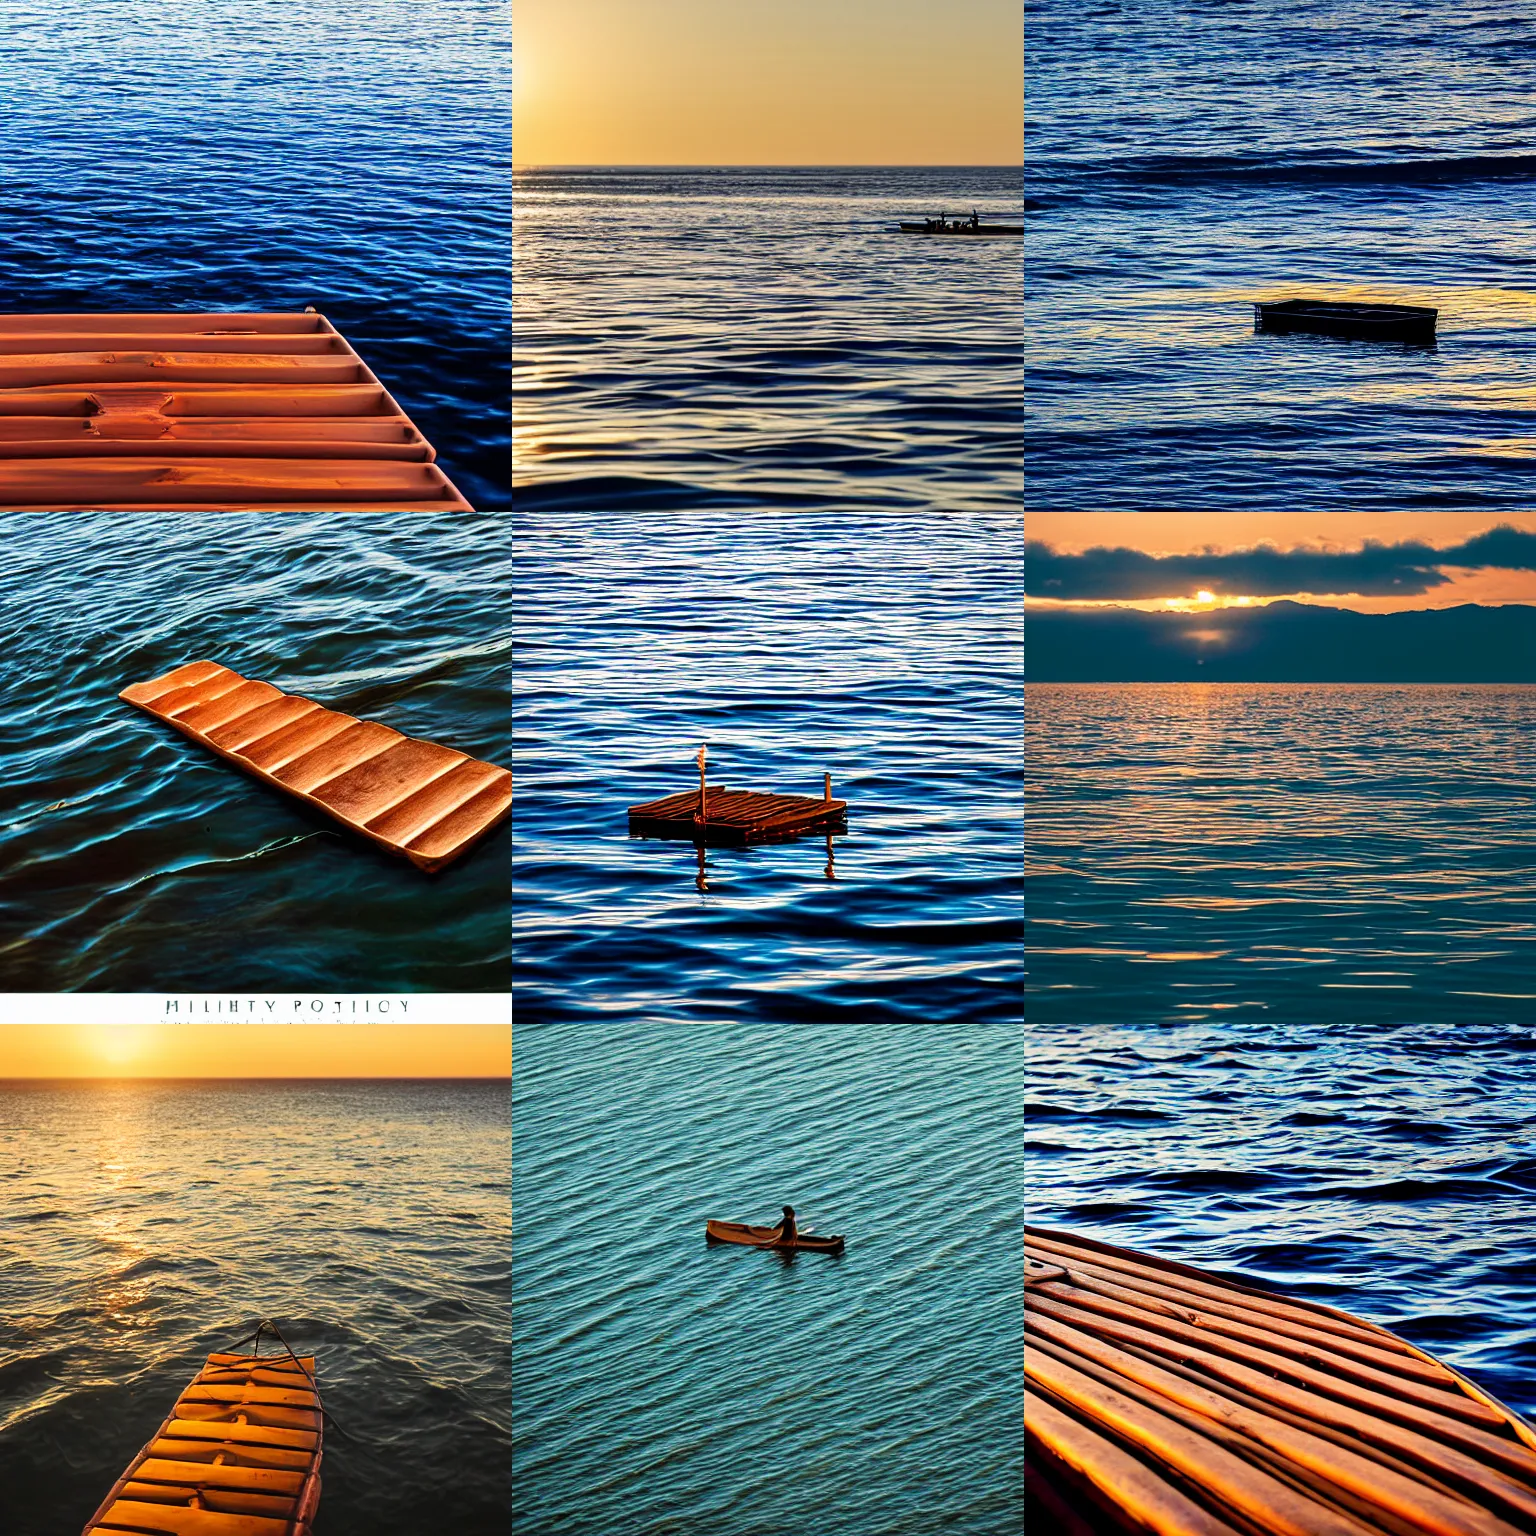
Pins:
x,y
1281,951
767,461
1185,163
268,154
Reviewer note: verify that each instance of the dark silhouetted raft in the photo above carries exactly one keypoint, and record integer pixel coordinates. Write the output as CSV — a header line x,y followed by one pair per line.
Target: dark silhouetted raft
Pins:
x,y
415,798
1385,322
192,412
734,817
1159,1398
239,1455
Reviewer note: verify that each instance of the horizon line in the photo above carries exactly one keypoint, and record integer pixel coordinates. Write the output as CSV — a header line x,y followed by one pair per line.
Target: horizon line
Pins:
x,y
767,165
119,1077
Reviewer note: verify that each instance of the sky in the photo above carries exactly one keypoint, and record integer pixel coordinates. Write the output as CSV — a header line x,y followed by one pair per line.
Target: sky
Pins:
x,y
744,82
1382,562
255,1050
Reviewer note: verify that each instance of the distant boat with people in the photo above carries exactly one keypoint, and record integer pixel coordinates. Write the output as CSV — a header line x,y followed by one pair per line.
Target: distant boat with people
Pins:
x,y
972,227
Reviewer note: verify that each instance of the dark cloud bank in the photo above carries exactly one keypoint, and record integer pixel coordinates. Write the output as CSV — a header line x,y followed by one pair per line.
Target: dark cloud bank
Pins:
x,y
1283,642
1406,569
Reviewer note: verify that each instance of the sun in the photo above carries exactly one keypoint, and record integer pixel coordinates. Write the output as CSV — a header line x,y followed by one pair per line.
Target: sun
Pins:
x,y
1205,597
118,1045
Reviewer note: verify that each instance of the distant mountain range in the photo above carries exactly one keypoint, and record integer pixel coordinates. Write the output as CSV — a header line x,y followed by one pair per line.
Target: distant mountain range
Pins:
x,y
1282,642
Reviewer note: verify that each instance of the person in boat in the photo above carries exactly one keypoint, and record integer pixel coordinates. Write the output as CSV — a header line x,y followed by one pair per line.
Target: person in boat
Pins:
x,y
787,1231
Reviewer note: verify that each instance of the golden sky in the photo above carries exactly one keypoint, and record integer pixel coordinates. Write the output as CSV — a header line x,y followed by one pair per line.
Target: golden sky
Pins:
x,y
767,82
255,1050
1171,533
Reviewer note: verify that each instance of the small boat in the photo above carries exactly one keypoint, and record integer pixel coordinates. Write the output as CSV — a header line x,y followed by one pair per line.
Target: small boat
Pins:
x,y
767,1237
1385,322
1162,1398
239,1454
972,227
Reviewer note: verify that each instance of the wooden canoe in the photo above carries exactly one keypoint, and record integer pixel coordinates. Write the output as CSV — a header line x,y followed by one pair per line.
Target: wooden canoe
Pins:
x,y
238,1455
766,1237
1163,1399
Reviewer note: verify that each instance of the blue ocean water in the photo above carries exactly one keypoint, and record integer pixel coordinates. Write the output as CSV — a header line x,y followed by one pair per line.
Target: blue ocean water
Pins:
x,y
766,459
145,1225
882,648
1386,1169
132,860
1287,854
663,1384
1185,163
751,337
268,154
1281,965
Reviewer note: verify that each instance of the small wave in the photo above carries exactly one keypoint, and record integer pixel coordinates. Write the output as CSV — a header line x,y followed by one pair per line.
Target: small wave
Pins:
x,y
1154,170
609,492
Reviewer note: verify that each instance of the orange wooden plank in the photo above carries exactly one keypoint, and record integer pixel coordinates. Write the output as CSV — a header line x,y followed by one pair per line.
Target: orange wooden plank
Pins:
x,y
426,802
203,412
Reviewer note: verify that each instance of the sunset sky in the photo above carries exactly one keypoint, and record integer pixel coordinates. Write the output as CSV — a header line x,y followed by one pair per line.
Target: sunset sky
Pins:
x,y
255,1050
797,82
1369,562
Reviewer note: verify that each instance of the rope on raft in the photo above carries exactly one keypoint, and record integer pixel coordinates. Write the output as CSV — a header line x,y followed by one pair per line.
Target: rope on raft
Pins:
x,y
266,1325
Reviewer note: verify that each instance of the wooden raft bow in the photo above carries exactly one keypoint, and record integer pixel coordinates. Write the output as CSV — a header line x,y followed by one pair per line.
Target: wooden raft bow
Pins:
x,y
1162,1399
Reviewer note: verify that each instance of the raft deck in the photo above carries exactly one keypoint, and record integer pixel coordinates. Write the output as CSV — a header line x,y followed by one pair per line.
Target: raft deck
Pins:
x,y
733,818
239,1455
1160,1398
425,802
1381,322
203,412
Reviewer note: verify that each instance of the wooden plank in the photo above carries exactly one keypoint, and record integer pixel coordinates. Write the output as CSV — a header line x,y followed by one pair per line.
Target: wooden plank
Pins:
x,y
203,412
426,802
139,1517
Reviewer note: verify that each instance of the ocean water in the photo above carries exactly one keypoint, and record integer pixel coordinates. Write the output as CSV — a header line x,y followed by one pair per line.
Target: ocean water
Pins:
x,y
749,337
882,648
1386,1168
268,154
766,458
662,1384
134,860
1281,856
1186,163
145,1225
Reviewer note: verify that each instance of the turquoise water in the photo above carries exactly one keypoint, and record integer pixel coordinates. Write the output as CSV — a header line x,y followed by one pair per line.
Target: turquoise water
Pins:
x,y
665,1385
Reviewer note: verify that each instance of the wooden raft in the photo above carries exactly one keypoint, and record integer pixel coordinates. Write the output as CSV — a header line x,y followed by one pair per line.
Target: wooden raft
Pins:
x,y
735,817
1162,1399
203,412
239,1455
415,798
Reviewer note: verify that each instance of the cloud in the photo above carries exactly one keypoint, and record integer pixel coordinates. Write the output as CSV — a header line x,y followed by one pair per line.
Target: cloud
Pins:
x,y
1406,569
